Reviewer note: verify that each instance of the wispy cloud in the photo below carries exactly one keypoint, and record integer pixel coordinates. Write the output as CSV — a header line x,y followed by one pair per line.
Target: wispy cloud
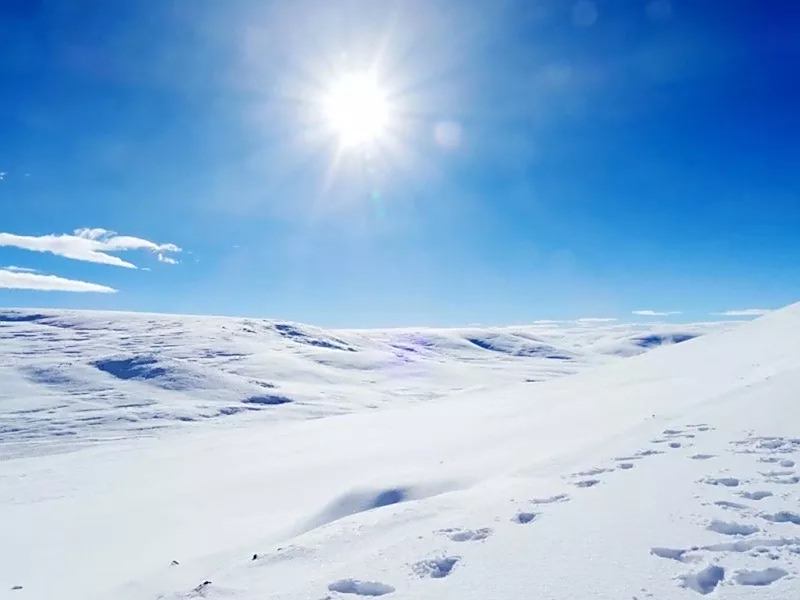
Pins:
x,y
655,313
90,245
24,280
743,312
166,259
596,320
16,269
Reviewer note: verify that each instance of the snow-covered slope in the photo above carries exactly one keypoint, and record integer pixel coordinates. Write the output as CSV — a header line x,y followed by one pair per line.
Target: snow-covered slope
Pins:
x,y
75,375
665,475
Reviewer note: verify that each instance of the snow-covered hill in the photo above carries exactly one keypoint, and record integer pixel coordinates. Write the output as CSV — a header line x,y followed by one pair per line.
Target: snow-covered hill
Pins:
x,y
72,376
666,475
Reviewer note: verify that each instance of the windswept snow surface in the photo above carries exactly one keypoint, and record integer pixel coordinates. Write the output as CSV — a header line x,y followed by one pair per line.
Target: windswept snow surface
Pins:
x,y
70,376
665,475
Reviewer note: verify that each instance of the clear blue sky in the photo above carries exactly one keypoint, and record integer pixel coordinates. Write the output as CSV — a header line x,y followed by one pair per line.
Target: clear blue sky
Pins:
x,y
603,157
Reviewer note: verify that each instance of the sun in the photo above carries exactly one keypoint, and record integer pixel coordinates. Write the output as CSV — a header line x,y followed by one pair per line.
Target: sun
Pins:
x,y
357,110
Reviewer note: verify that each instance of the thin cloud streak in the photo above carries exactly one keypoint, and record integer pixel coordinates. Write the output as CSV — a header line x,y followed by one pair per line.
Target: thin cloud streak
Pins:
x,y
17,269
17,280
743,312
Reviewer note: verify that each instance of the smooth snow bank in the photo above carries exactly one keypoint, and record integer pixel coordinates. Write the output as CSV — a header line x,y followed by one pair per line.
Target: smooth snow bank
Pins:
x,y
356,504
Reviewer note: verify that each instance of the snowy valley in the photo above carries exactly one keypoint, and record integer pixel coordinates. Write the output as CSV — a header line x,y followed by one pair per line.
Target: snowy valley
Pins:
x,y
153,456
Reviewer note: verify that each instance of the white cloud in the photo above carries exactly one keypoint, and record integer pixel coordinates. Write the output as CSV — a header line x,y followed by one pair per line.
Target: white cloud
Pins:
x,y
596,320
90,245
656,313
166,259
743,312
21,280
16,269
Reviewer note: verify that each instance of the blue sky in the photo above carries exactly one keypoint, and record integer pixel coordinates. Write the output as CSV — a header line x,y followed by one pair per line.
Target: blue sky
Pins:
x,y
603,157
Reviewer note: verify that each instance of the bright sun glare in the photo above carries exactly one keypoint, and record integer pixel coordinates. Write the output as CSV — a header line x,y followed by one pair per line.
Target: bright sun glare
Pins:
x,y
356,109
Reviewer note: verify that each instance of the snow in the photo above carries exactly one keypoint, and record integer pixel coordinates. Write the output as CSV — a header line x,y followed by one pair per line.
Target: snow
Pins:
x,y
416,463
94,375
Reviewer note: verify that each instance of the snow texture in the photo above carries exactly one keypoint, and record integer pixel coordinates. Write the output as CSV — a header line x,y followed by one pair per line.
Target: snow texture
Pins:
x,y
167,457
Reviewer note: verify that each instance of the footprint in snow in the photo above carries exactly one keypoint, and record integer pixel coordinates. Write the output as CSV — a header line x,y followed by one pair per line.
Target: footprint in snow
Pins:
x,y
726,481
731,527
467,535
590,472
588,475
435,568
783,516
768,445
360,588
748,544
763,577
783,480
675,433
678,554
702,456
524,517
742,545
704,581
731,505
786,480
757,495
648,452
773,474
551,499
639,455
587,483
700,427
